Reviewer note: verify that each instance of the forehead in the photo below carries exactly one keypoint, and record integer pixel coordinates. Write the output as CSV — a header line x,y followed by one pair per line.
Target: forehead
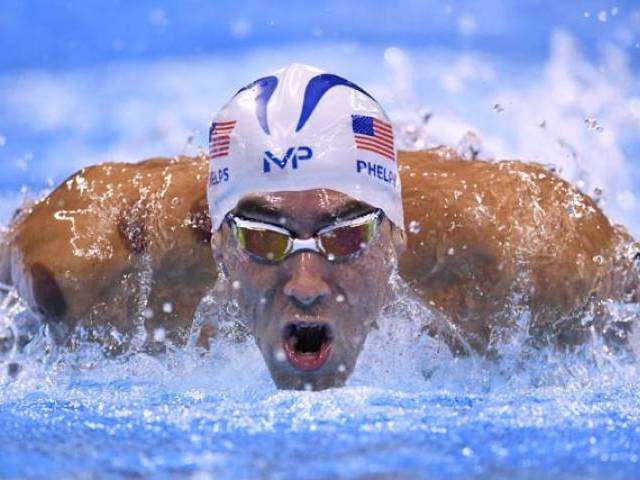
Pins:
x,y
318,206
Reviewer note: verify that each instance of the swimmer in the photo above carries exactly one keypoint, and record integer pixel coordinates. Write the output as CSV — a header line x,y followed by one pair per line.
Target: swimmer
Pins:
x,y
301,213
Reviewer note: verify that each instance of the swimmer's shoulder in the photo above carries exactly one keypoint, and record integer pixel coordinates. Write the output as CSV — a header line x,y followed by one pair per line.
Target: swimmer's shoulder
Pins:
x,y
103,220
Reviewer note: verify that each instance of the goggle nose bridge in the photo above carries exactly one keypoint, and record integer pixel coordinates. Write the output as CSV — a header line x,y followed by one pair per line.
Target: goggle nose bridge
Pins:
x,y
298,244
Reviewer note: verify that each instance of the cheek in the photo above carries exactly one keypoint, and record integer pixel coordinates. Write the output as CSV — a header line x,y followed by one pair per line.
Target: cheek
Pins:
x,y
252,281
366,282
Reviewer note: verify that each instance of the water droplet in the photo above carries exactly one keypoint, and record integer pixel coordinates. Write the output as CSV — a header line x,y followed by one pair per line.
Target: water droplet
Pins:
x,y
414,227
279,355
147,313
602,16
241,28
451,251
263,300
235,284
466,452
342,368
159,335
587,14
3,140
331,257
598,259
167,307
592,124
308,387
339,298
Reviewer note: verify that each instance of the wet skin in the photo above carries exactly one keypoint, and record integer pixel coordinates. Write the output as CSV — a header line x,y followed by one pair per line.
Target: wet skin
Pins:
x,y
306,288
494,240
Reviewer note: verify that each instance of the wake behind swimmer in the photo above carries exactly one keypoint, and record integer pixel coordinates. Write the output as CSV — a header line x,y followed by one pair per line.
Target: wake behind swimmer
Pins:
x,y
307,247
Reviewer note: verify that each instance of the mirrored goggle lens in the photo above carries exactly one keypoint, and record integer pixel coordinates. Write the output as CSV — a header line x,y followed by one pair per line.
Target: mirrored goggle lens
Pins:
x,y
347,240
263,243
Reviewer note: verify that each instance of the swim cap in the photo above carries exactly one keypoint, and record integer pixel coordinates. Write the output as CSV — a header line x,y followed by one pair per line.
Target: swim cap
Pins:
x,y
301,129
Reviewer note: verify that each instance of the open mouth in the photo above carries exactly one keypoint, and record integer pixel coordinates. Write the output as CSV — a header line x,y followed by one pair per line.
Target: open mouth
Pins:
x,y
307,345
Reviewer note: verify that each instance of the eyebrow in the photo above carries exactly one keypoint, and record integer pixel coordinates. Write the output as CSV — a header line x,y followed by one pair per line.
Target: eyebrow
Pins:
x,y
258,209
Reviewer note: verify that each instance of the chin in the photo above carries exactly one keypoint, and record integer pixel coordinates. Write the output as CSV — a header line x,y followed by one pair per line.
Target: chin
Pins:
x,y
288,380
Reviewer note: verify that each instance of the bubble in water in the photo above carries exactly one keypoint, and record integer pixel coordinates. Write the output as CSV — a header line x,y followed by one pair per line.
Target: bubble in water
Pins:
x,y
167,307
147,313
414,227
467,452
339,298
342,368
236,284
451,251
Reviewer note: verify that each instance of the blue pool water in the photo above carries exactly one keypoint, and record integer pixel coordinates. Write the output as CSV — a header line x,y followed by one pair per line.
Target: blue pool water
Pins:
x,y
85,82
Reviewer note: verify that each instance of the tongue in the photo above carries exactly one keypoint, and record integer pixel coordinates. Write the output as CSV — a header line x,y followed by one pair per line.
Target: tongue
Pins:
x,y
307,360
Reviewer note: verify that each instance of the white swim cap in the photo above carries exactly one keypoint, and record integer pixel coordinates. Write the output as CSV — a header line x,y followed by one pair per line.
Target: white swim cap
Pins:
x,y
302,129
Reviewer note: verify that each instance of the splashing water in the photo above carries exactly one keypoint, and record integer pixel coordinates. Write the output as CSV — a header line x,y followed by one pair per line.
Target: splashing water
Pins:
x,y
410,408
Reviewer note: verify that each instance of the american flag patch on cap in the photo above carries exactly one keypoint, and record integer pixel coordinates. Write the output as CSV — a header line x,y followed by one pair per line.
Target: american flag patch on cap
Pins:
x,y
373,135
219,139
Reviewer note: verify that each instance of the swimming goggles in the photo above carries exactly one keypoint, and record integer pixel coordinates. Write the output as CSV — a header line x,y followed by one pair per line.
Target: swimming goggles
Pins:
x,y
336,242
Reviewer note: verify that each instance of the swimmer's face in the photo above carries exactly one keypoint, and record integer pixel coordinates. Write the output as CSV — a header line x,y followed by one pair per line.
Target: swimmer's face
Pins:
x,y
310,315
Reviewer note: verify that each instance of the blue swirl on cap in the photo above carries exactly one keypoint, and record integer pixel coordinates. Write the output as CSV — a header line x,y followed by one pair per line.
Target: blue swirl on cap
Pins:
x,y
266,87
316,88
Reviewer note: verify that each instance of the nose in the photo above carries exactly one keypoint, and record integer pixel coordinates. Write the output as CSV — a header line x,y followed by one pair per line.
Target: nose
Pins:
x,y
306,285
